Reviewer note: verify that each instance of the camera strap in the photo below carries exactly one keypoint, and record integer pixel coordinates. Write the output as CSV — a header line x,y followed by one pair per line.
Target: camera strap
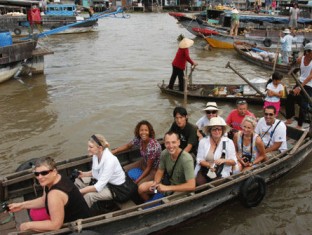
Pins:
x,y
271,135
251,144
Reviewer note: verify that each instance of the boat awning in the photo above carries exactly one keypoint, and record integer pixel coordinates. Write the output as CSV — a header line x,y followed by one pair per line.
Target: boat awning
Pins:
x,y
22,3
272,19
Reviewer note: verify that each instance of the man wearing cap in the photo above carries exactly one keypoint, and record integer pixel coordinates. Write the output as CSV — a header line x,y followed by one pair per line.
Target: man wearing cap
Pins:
x,y
237,115
234,22
272,131
211,110
186,130
296,95
179,63
286,43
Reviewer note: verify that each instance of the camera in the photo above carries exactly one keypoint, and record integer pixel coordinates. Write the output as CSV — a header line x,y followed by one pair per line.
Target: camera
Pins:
x,y
5,207
75,173
246,158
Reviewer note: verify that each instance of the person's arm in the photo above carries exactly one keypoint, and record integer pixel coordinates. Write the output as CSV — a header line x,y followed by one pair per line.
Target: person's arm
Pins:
x,y
35,203
146,171
188,58
188,148
274,147
189,185
56,203
122,148
201,152
261,151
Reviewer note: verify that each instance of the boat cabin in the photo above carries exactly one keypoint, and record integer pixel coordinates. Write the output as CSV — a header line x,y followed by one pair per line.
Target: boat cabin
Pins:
x,y
61,10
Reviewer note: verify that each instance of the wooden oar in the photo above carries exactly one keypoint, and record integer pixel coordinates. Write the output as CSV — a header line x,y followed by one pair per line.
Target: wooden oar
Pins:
x,y
277,54
228,65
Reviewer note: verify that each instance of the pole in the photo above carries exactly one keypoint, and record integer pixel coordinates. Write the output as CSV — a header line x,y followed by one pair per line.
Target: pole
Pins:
x,y
306,95
185,88
277,53
228,65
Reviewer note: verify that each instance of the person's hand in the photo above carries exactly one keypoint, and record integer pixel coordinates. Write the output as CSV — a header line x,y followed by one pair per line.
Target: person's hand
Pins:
x,y
25,226
220,161
14,207
297,90
162,188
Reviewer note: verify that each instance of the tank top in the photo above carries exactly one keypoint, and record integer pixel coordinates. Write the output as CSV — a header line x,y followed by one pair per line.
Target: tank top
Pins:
x,y
250,149
305,72
76,207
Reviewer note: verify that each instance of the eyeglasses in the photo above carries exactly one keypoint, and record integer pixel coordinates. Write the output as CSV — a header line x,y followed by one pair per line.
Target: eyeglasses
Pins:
x,y
43,173
216,129
241,102
269,114
211,112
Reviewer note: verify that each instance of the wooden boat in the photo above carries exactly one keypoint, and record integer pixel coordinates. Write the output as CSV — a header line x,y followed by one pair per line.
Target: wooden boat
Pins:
x,y
215,92
11,57
252,54
161,213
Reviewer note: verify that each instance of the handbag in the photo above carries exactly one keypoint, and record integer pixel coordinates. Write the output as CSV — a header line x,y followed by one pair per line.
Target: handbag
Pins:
x,y
166,178
218,168
122,193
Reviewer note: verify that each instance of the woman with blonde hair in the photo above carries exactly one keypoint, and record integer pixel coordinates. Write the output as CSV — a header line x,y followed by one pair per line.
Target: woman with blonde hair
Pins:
x,y
249,147
106,169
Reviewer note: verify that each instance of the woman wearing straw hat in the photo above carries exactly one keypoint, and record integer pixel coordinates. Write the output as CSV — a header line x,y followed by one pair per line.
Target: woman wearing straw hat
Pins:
x,y
234,22
179,63
215,151
211,110
286,42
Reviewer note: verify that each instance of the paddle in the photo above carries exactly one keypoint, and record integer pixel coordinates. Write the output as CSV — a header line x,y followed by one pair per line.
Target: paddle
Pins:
x,y
302,88
228,65
277,53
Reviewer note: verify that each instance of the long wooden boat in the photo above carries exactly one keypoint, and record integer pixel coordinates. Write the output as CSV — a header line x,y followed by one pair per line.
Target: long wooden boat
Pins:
x,y
11,57
215,92
156,215
250,53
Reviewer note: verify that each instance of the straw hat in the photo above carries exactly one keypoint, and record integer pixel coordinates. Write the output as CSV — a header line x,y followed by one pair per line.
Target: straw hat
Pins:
x,y
217,121
286,31
235,11
211,106
186,43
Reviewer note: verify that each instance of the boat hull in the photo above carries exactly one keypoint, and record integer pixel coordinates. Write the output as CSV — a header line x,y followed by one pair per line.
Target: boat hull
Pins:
x,y
8,71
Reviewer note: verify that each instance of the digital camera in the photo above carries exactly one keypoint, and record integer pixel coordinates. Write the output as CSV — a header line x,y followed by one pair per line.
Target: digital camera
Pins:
x,y
246,158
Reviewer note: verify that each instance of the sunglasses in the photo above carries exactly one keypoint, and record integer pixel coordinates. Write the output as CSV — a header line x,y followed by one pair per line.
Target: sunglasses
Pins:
x,y
43,173
269,114
211,112
241,102
216,129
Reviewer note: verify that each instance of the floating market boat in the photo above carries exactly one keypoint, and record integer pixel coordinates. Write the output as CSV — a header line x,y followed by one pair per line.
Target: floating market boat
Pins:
x,y
129,218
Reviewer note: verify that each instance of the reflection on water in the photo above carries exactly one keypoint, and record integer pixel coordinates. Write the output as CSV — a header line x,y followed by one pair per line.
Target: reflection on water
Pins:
x,y
105,82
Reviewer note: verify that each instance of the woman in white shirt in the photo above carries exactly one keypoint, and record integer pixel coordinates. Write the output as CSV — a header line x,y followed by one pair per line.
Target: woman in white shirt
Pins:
x,y
106,169
210,153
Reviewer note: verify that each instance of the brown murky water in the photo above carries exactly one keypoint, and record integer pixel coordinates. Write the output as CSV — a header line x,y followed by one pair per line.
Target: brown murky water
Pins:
x,y
105,82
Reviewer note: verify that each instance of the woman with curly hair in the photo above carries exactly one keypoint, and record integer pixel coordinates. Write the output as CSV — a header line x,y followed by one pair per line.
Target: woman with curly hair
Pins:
x,y
150,149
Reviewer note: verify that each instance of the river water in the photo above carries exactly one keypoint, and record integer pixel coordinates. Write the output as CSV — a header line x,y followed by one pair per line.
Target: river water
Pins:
x,y
105,82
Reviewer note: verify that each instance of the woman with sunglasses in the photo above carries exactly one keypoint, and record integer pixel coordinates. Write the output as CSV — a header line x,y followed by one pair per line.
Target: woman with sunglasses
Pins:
x,y
60,203
211,110
214,150
249,146
106,169
150,149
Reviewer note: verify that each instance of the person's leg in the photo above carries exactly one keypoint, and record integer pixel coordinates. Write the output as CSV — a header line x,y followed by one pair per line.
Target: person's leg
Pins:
x,y
105,194
149,177
173,77
304,106
144,190
137,164
181,79
290,107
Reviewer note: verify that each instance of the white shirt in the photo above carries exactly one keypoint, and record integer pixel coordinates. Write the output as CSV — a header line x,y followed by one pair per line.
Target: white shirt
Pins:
x,y
108,170
265,132
305,72
287,41
277,89
203,148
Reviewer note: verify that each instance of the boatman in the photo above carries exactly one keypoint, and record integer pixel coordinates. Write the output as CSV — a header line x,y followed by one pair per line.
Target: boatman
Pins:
x,y
179,63
286,43
178,167
234,22
272,132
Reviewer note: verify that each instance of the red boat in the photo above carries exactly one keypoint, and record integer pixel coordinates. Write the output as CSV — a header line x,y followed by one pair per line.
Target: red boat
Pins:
x,y
205,31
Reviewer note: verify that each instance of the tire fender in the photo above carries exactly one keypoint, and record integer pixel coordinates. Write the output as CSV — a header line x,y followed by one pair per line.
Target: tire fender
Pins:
x,y
252,191
26,165
267,42
17,31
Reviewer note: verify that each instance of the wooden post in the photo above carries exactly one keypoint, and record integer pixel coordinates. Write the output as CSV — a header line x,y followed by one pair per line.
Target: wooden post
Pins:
x,y
185,88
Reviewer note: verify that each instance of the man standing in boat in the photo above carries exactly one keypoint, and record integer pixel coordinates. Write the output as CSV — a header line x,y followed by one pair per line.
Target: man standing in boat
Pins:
x,y
179,63
272,132
234,22
176,166
286,43
293,17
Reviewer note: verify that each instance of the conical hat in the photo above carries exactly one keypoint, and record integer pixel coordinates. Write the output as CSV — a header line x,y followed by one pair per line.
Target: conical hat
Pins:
x,y
186,43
